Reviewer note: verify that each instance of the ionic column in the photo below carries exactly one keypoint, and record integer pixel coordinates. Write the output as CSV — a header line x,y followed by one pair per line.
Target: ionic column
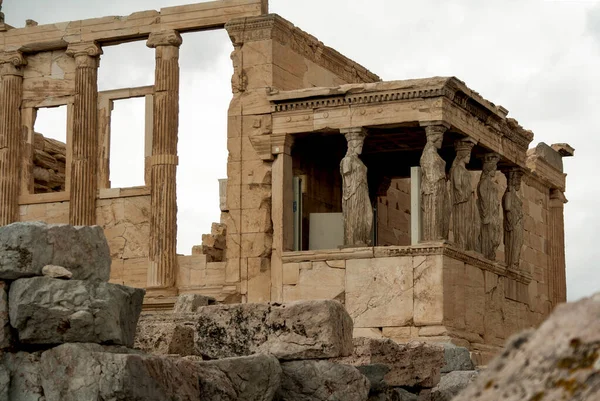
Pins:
x,y
11,92
163,163
84,162
513,218
556,230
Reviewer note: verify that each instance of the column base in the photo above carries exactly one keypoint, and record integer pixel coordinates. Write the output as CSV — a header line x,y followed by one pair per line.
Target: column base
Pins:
x,y
160,298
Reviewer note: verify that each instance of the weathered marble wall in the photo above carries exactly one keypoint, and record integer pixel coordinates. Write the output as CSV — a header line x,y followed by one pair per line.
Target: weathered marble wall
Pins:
x,y
393,214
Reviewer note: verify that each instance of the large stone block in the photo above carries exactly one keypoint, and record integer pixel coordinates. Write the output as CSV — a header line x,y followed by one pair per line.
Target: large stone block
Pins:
x,y
298,330
254,378
453,383
408,365
321,381
379,292
25,248
456,358
558,361
52,311
91,372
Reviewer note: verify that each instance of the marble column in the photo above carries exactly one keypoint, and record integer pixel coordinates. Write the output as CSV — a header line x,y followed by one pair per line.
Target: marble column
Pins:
x,y
163,163
11,93
84,162
556,240
513,218
435,202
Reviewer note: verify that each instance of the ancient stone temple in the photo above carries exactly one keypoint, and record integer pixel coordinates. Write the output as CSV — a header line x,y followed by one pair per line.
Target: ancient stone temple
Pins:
x,y
418,204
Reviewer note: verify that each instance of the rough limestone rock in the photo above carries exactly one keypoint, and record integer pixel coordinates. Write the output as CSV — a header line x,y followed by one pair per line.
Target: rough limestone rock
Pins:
x,y
56,272
51,311
395,394
6,337
4,382
24,374
161,334
415,364
91,372
321,381
189,303
298,330
456,358
558,361
452,383
253,378
25,248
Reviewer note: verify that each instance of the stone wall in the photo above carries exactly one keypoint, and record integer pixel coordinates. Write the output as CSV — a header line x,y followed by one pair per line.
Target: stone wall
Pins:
x,y
49,164
393,214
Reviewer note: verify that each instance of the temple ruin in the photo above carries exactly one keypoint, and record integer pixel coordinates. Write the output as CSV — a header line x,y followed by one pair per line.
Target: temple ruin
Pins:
x,y
417,203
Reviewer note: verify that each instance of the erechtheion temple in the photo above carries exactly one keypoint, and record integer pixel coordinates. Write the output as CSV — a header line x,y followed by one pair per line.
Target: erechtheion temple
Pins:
x,y
418,204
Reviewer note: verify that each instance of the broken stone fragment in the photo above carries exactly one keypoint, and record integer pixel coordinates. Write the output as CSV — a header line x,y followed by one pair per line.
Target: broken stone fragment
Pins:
x,y
452,384
25,248
321,381
558,361
415,364
54,271
456,358
189,303
166,334
297,330
48,311
24,374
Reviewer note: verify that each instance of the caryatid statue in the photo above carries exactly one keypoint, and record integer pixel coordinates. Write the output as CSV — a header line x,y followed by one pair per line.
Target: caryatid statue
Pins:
x,y
434,187
463,196
356,204
1,14
488,204
513,218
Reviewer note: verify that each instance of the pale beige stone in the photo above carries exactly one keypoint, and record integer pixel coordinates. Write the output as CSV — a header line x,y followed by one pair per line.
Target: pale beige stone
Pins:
x,y
379,292
319,281
428,290
367,332
291,273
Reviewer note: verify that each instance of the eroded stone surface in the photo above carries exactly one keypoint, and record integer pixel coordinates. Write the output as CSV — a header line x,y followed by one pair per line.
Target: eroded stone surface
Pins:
x,y
23,370
51,311
414,364
189,303
298,330
166,334
452,383
6,337
54,271
321,381
559,361
456,358
25,248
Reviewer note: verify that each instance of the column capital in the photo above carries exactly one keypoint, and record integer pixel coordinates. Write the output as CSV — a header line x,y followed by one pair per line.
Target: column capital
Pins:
x,y
557,198
282,144
12,63
164,38
86,54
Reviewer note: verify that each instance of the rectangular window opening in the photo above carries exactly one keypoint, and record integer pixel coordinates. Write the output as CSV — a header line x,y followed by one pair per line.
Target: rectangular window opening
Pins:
x,y
50,150
127,143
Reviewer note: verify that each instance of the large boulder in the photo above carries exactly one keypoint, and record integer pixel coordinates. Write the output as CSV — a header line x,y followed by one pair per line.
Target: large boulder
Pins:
x,y
396,394
558,361
253,378
415,364
25,248
91,372
321,381
51,311
298,330
453,383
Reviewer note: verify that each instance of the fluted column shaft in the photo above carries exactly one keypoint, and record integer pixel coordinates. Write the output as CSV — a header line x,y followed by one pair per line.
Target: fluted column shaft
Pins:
x,y
84,163
556,230
11,92
163,215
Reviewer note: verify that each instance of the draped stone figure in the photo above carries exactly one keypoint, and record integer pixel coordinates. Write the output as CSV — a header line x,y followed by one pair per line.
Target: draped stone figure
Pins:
x,y
356,204
1,14
513,219
488,204
434,187
463,196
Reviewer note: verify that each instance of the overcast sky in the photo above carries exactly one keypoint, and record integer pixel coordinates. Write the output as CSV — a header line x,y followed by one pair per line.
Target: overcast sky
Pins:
x,y
539,59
